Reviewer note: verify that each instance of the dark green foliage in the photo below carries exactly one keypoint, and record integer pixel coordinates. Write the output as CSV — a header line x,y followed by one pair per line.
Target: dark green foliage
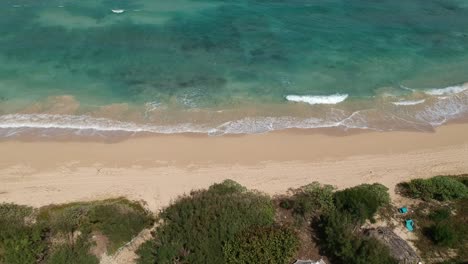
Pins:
x,y
345,246
362,201
440,214
442,230
77,253
461,178
439,188
119,222
20,242
146,252
445,234
447,230
263,245
196,227
339,237
313,198
21,245
286,204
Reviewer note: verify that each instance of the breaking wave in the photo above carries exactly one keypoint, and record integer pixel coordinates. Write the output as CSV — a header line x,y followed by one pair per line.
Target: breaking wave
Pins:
x,y
447,90
434,110
318,99
410,102
83,122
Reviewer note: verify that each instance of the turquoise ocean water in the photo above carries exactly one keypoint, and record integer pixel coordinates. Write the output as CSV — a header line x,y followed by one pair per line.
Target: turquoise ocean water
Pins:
x,y
224,66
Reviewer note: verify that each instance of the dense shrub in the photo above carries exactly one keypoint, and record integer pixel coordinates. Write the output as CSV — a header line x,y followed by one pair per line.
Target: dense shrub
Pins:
x,y
444,234
345,246
20,242
21,245
338,226
118,219
448,230
439,188
13,214
440,214
147,252
313,198
362,201
337,237
461,178
62,234
119,222
77,253
263,245
196,227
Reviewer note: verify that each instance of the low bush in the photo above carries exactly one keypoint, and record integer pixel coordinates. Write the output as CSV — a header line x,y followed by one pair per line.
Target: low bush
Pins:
x,y
439,188
262,245
461,178
447,230
118,219
21,245
286,204
313,198
196,227
362,201
345,246
62,233
440,214
20,242
445,234
77,253
442,229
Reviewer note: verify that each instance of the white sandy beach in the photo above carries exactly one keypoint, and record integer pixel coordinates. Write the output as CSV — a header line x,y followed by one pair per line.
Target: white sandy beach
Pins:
x,y
158,169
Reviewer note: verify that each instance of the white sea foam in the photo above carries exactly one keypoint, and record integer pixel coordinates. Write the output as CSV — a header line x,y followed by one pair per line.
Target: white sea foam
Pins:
x,y
441,111
318,99
256,125
431,113
86,125
118,11
82,122
410,102
447,90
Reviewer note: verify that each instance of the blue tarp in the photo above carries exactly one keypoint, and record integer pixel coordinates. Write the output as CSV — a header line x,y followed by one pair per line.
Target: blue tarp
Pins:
x,y
409,224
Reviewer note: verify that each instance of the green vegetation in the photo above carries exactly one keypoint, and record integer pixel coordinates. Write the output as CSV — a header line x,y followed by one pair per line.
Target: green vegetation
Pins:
x,y
442,229
313,199
19,242
345,246
362,201
439,188
262,245
119,220
448,229
75,253
64,233
227,223
353,206
195,228
441,217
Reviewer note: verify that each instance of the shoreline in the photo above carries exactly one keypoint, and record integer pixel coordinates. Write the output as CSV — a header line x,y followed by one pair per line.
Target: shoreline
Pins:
x,y
158,169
